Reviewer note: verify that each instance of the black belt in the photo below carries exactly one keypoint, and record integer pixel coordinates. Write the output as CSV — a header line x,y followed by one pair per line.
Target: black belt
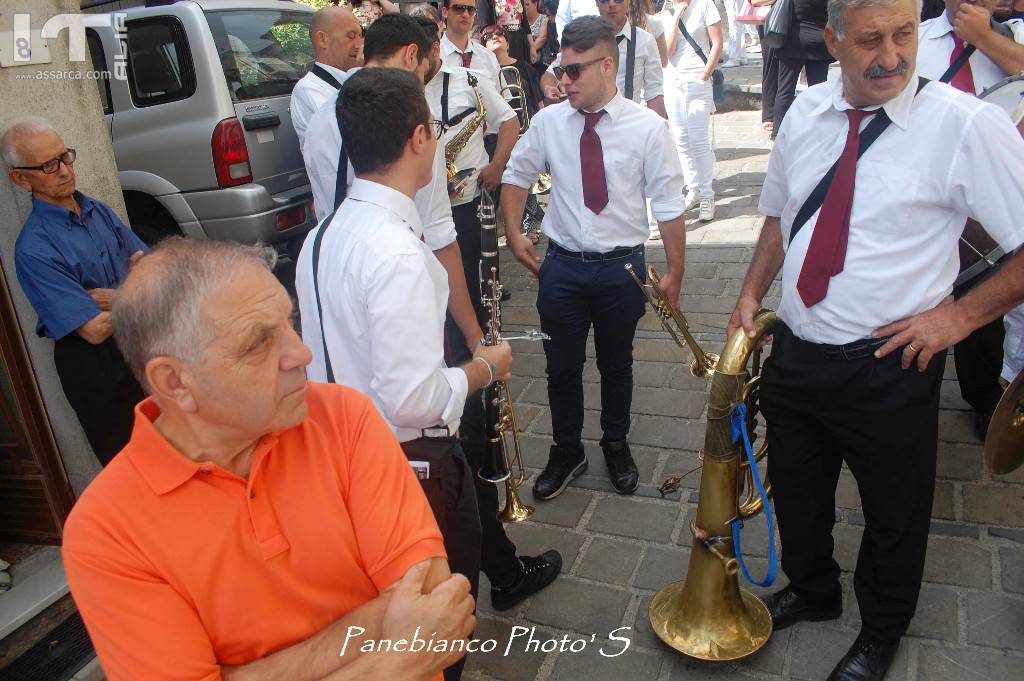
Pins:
x,y
858,349
590,256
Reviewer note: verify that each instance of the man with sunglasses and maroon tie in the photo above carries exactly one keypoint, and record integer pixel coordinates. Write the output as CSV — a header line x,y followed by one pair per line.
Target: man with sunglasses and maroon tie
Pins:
x,y
868,259
607,155
459,49
70,256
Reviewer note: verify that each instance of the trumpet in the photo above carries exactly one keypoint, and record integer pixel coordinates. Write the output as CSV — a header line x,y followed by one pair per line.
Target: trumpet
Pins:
x,y
703,363
503,462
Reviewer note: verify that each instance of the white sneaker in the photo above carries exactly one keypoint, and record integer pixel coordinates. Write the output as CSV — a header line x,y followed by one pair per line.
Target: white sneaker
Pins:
x,y
707,209
691,200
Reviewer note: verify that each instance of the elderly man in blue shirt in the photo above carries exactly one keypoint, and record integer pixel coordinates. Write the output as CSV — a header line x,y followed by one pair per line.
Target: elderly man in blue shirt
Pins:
x,y
70,256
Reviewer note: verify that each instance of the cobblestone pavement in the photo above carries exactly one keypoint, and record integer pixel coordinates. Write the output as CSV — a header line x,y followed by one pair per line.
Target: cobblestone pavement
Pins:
x,y
619,550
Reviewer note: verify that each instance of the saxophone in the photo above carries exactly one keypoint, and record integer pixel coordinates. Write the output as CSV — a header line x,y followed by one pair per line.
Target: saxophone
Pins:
x,y
457,179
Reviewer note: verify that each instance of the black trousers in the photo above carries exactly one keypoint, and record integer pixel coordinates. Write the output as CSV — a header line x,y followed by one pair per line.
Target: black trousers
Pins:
x,y
789,73
574,295
979,361
882,421
101,389
498,558
769,77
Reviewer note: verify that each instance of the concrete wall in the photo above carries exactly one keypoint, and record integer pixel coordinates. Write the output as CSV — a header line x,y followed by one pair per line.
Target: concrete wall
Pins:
x,y
73,106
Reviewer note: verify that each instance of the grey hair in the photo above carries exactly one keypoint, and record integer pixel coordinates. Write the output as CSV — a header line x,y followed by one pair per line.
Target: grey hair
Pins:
x,y
837,12
10,142
158,313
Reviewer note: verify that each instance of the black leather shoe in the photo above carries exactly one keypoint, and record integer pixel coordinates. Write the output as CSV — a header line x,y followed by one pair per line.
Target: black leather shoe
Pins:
x,y
868,659
564,465
788,607
534,575
621,467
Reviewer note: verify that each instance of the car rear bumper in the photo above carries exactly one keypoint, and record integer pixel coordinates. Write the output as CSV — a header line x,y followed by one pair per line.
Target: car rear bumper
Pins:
x,y
249,213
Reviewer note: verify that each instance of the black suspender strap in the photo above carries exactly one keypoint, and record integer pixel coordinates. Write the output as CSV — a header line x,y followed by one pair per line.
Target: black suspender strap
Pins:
x,y
452,122
630,62
693,43
341,178
326,76
955,67
316,290
817,197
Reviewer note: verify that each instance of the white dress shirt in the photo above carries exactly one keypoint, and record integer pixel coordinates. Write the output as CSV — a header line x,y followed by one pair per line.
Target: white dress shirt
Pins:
x,y
320,155
483,61
648,77
935,45
655,25
697,17
311,93
384,296
573,9
946,156
461,98
640,162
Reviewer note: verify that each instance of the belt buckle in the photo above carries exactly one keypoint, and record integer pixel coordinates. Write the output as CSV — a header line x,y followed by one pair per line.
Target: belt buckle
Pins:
x,y
435,432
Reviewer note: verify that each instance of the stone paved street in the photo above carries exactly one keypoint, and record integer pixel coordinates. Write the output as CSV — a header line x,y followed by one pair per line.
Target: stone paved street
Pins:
x,y
619,550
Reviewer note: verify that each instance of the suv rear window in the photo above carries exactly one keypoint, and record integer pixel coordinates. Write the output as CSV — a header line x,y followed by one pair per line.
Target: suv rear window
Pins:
x,y
263,53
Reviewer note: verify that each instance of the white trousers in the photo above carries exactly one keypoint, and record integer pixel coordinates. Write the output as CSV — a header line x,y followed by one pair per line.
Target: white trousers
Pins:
x,y
690,109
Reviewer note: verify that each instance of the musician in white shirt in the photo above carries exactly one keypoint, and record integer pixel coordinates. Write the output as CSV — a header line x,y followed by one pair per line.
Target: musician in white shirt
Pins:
x,y
691,102
383,296
595,224
646,83
857,362
397,41
337,47
459,49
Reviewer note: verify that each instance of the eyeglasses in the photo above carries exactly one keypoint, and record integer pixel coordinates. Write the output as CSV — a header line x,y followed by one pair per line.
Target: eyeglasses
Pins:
x,y
439,128
605,2
463,9
53,165
574,71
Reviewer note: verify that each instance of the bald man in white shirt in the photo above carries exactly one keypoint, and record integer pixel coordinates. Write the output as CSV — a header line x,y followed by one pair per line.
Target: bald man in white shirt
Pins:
x,y
337,42
866,315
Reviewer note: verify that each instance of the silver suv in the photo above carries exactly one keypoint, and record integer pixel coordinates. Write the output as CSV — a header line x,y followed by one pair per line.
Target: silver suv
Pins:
x,y
201,126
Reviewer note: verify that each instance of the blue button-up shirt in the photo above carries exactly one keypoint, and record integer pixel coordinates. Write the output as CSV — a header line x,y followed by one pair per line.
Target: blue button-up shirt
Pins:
x,y
60,254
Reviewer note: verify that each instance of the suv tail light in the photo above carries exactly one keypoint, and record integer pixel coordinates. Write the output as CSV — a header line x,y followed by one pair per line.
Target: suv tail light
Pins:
x,y
230,155
290,217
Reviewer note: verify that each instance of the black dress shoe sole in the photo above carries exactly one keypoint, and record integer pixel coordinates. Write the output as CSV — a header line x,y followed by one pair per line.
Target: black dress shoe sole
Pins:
x,y
573,474
807,616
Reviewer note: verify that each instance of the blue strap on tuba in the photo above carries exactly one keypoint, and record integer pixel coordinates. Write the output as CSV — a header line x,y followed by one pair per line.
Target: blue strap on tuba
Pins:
x,y
739,429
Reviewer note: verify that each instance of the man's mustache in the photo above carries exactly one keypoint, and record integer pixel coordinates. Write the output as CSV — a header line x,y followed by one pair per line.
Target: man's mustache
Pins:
x,y
879,72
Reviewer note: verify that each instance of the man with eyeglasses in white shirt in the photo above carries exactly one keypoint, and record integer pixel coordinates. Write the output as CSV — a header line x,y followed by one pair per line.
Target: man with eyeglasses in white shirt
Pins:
x,y
866,317
644,82
596,225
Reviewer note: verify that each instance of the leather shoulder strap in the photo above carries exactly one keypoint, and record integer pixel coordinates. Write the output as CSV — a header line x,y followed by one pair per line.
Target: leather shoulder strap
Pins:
x,y
326,76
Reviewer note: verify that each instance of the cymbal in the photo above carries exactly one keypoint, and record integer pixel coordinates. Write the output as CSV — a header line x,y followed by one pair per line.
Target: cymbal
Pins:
x,y
1004,442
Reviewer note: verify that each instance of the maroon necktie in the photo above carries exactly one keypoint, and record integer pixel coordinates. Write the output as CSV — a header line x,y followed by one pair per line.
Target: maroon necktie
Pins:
x,y
827,250
595,186
963,80
467,57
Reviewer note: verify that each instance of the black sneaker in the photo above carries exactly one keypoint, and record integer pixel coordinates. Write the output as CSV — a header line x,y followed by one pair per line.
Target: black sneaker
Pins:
x,y
564,465
534,575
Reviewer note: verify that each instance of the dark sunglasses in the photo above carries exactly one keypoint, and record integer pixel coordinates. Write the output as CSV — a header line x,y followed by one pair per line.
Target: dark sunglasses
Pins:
x,y
53,165
463,9
606,2
488,36
574,71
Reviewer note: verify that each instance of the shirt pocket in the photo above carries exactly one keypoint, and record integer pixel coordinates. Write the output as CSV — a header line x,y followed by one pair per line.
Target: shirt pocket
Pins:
x,y
876,185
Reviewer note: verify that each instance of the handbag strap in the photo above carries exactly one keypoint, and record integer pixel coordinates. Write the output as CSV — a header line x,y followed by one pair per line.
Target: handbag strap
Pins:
x,y
871,133
630,62
693,43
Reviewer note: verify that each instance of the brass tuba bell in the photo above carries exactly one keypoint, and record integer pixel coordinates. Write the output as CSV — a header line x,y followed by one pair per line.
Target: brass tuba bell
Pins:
x,y
707,615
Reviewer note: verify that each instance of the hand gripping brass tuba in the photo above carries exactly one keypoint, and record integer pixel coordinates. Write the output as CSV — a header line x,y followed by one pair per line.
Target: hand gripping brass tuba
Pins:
x,y
457,178
707,615
502,463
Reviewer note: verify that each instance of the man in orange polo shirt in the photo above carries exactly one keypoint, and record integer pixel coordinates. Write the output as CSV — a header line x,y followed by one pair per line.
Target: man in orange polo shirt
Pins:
x,y
253,519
